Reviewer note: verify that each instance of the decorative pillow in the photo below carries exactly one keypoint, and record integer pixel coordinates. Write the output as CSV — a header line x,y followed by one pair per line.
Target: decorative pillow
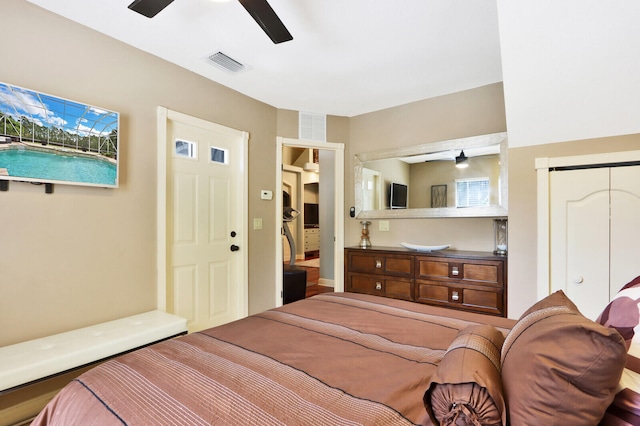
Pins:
x,y
558,367
466,388
623,314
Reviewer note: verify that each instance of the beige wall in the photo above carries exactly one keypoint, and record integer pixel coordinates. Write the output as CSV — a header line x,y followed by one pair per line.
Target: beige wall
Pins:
x,y
469,113
522,209
86,255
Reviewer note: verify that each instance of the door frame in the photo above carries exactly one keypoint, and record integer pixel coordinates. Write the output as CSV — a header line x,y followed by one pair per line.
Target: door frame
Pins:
x,y
338,215
543,166
164,115
299,225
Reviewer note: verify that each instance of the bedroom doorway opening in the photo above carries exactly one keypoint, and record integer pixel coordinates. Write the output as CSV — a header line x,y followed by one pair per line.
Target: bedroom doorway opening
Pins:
x,y
317,198
202,215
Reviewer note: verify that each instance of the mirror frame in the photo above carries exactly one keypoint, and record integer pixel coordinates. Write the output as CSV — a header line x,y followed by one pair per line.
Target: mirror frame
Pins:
x,y
500,210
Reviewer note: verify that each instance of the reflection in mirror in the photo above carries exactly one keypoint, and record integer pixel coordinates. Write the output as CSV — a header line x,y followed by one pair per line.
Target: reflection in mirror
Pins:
x,y
435,186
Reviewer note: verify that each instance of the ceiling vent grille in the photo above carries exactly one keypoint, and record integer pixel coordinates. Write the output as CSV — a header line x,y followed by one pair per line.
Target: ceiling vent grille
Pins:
x,y
225,63
312,126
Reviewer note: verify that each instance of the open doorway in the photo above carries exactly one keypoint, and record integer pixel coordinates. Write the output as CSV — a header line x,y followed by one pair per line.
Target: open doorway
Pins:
x,y
311,179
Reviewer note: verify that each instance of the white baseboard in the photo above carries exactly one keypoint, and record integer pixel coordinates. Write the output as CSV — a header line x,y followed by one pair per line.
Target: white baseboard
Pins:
x,y
325,282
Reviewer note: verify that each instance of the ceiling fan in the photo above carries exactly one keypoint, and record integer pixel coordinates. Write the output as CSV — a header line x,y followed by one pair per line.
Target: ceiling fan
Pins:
x,y
260,10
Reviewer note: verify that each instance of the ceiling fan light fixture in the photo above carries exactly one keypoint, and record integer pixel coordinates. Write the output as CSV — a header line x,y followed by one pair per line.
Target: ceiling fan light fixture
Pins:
x,y
462,160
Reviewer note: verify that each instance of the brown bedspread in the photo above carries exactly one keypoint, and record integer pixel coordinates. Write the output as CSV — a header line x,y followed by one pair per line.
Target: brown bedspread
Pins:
x,y
334,359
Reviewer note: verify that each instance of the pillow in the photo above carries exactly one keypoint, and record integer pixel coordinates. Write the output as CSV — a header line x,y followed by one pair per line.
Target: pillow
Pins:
x,y
558,367
623,314
466,388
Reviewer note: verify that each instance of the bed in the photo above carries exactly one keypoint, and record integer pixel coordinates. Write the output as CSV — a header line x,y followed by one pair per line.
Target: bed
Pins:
x,y
333,359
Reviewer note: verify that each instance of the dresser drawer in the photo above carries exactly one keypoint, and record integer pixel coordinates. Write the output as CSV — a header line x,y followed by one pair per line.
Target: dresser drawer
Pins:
x,y
383,264
484,272
464,280
487,300
398,288
311,239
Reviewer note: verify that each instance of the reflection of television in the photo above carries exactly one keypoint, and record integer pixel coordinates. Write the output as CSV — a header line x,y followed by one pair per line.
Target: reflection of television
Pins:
x,y
45,139
397,196
311,214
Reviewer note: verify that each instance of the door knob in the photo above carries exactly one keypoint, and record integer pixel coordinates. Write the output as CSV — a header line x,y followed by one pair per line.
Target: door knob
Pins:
x,y
234,247
233,234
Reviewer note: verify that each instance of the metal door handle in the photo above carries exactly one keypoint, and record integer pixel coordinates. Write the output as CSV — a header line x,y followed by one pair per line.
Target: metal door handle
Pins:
x,y
234,247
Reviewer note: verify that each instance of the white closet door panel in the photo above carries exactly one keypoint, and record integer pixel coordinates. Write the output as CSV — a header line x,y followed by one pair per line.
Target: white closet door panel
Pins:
x,y
625,226
579,255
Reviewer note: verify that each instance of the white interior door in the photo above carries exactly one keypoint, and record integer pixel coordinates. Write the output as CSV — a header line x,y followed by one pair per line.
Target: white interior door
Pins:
x,y
594,232
579,237
623,230
206,243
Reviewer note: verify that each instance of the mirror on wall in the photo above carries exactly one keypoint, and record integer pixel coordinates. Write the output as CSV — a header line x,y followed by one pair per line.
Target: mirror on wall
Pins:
x,y
464,177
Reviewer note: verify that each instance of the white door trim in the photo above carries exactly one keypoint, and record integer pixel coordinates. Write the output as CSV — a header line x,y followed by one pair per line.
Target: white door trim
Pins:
x,y
543,165
163,116
338,214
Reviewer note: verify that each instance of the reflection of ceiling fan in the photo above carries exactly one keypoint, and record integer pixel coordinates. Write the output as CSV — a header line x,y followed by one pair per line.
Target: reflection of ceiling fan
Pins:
x,y
260,10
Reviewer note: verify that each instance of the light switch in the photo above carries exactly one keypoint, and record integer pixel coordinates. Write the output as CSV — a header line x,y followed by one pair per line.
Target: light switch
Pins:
x,y
265,194
257,223
383,225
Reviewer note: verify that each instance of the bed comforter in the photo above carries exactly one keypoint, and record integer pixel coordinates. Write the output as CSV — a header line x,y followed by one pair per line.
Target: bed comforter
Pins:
x,y
334,359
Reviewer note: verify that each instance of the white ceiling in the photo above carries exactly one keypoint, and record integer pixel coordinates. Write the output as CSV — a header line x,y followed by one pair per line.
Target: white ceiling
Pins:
x,y
347,57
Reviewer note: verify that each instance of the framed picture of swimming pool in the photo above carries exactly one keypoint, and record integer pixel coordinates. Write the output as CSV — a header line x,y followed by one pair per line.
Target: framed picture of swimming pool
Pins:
x,y
46,139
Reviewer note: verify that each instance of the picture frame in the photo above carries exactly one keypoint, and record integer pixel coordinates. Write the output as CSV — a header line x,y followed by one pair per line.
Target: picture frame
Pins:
x,y
438,196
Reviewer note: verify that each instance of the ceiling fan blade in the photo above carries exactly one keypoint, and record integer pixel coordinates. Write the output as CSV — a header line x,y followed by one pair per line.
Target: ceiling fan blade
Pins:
x,y
261,11
149,8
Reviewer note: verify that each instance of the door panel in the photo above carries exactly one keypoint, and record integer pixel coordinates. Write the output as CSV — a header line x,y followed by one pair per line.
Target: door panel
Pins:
x,y
205,203
594,233
579,256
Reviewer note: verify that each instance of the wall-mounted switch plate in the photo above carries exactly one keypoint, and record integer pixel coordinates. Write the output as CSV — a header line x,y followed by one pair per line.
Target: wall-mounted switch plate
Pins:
x,y
265,194
257,223
383,225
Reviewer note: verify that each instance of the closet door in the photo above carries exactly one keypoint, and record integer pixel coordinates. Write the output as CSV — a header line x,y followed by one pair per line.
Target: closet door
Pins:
x,y
579,237
594,233
625,226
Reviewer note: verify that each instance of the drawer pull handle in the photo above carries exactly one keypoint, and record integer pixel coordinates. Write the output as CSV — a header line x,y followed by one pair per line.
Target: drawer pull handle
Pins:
x,y
378,285
454,296
378,263
454,271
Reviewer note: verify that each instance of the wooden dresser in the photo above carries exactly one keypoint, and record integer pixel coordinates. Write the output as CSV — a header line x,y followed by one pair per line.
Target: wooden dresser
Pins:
x,y
466,280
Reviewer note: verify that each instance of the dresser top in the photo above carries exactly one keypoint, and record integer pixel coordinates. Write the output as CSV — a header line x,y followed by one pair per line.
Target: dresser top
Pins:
x,y
439,253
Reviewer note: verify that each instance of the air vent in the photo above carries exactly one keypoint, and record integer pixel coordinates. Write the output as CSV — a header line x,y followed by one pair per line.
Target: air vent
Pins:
x,y
312,126
225,63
